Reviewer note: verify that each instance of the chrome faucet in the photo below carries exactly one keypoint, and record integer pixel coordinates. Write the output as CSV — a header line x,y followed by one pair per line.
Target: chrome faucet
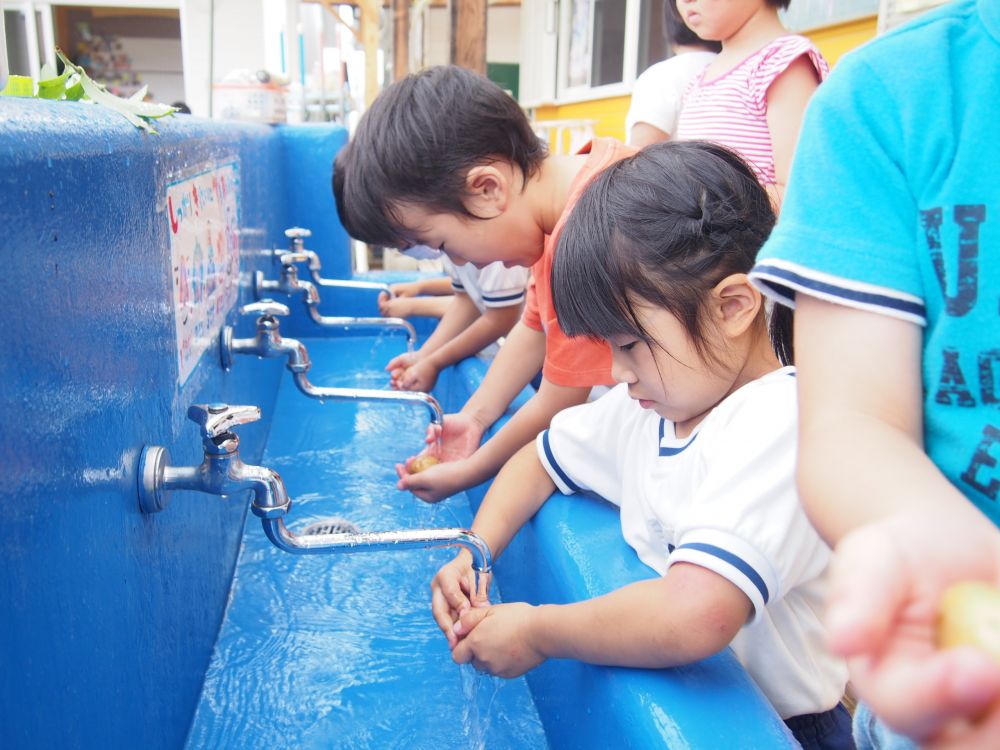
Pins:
x,y
223,473
297,245
290,284
269,343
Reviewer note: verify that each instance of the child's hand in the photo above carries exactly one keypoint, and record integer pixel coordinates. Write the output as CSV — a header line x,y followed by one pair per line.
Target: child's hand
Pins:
x,y
398,365
498,639
886,583
400,307
460,437
405,289
453,592
438,482
420,376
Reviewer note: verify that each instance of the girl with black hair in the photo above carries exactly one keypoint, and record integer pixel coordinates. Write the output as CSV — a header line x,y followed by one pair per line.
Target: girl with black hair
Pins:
x,y
696,445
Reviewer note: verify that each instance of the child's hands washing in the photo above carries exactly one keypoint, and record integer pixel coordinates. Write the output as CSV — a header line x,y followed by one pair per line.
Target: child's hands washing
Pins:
x,y
453,593
500,640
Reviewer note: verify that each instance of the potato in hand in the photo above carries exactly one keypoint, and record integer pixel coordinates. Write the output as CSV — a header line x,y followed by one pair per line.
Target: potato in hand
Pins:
x,y
420,463
970,616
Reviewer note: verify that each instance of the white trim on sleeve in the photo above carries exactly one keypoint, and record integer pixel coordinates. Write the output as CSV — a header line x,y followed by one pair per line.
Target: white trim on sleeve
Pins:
x,y
781,280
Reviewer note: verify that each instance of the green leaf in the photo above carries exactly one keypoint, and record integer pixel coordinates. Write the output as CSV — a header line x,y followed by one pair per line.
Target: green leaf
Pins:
x,y
74,92
19,86
133,111
53,87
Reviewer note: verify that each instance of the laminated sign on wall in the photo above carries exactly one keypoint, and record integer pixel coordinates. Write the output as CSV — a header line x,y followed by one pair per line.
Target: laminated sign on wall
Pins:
x,y
203,212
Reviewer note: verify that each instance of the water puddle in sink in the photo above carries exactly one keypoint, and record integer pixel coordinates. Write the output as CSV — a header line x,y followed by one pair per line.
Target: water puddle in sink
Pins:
x,y
341,650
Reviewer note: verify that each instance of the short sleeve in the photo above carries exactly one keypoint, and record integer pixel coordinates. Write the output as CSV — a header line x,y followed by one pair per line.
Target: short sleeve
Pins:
x,y
653,101
531,316
580,448
849,219
501,286
746,522
456,281
776,61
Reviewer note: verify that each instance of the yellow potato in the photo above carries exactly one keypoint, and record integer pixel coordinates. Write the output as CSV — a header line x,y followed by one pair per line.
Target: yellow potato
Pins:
x,y
970,616
423,462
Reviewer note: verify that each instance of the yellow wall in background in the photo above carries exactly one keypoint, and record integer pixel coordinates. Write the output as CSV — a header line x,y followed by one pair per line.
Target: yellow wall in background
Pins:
x,y
836,40
609,114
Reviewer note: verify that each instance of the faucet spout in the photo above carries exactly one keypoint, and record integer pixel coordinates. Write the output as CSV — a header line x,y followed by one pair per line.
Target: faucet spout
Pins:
x,y
319,544
350,322
376,286
370,394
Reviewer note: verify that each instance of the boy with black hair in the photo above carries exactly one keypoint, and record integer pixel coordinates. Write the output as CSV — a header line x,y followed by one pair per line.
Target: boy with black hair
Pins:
x,y
445,158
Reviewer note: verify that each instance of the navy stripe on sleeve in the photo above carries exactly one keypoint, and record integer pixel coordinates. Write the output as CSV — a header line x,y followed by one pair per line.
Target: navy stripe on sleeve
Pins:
x,y
737,562
773,276
456,285
558,469
505,298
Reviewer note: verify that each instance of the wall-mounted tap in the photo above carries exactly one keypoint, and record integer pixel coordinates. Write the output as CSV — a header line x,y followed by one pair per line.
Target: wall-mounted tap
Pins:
x,y
223,473
297,245
269,343
290,284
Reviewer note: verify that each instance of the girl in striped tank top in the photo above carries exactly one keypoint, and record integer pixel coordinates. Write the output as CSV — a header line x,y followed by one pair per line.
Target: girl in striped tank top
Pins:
x,y
752,96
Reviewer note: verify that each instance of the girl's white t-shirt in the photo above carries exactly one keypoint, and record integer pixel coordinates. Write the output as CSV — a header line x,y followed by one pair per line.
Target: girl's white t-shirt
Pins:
x,y
723,498
659,90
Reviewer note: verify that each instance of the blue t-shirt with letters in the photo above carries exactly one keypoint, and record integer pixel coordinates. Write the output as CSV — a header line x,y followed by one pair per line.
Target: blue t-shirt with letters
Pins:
x,y
893,206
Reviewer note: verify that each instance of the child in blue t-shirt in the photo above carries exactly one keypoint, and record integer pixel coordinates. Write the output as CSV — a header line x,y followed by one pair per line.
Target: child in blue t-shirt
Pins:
x,y
888,248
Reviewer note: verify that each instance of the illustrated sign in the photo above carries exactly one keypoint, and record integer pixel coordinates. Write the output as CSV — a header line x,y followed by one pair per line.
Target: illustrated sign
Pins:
x,y
203,212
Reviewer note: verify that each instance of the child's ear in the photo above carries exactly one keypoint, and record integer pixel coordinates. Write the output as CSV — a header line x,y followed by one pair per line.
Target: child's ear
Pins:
x,y
736,303
488,189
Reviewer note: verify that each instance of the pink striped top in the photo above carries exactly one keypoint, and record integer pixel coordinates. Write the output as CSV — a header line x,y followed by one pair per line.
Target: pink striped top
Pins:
x,y
732,109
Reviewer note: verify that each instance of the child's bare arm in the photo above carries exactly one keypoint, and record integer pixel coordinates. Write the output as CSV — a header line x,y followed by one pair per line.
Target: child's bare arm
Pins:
x,y
787,98
435,286
519,490
408,307
861,454
903,533
461,313
686,615
483,331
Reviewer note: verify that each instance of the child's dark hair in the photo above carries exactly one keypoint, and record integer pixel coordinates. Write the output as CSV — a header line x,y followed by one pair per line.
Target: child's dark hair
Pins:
x,y
678,33
417,143
664,226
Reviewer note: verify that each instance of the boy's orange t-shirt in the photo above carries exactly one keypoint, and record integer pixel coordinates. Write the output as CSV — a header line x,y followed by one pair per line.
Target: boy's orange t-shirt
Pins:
x,y
576,362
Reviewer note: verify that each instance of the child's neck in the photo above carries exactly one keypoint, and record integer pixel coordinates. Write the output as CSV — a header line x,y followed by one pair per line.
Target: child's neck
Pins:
x,y
758,360
761,28
547,192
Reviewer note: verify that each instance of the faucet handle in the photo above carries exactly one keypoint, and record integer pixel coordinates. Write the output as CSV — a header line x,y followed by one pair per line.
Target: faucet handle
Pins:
x,y
289,259
297,233
218,419
265,307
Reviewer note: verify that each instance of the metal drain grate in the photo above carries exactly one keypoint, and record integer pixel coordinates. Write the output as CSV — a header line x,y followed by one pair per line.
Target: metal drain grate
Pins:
x,y
330,526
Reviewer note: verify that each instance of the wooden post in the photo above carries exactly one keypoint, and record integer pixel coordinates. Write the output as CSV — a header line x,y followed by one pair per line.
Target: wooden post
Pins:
x,y
468,34
400,39
367,37
369,40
